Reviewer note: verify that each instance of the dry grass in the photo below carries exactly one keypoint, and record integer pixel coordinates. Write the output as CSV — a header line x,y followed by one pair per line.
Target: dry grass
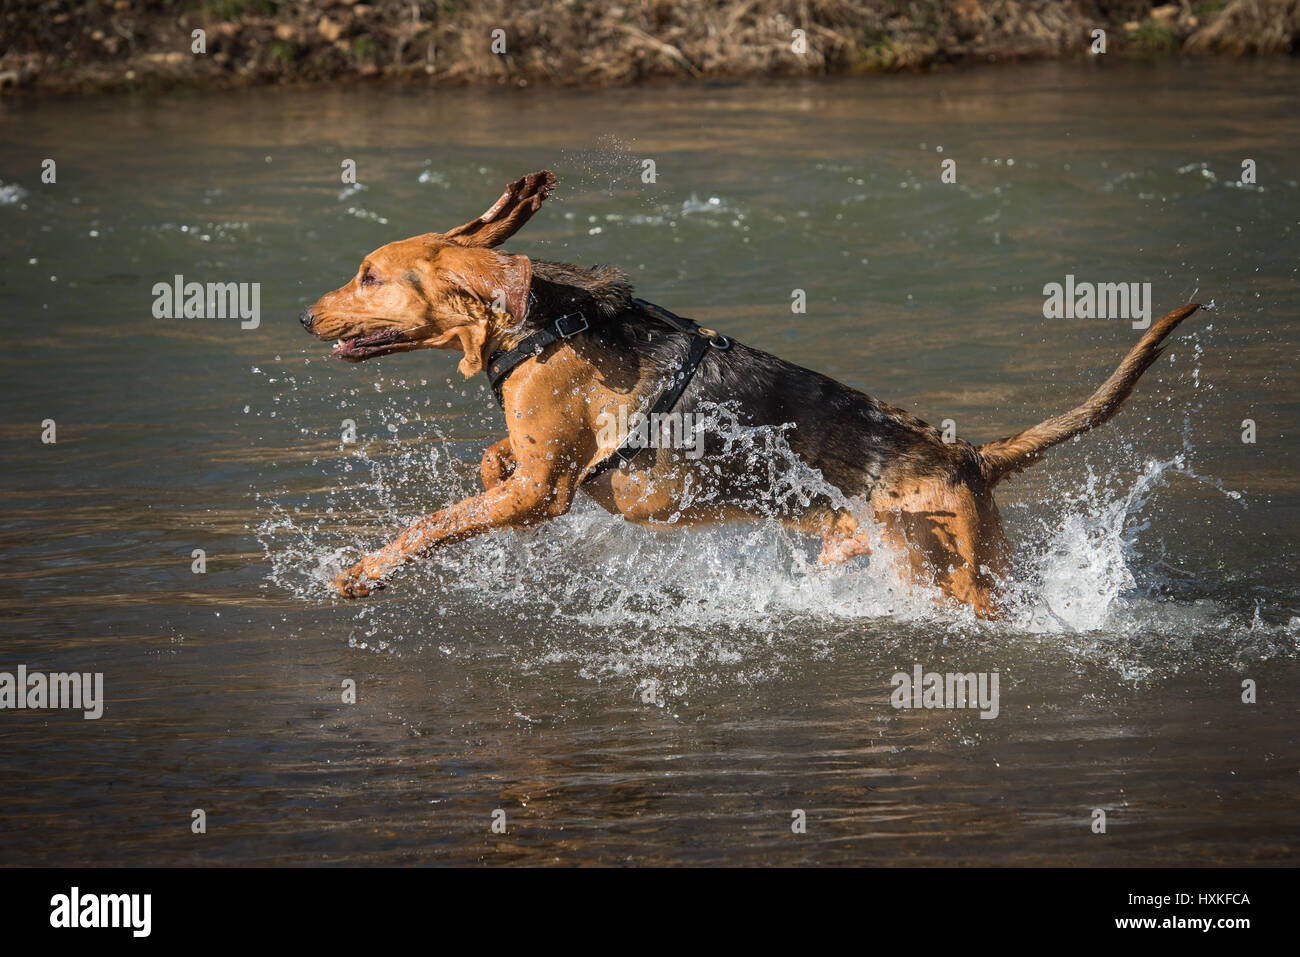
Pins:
x,y
116,43
1251,27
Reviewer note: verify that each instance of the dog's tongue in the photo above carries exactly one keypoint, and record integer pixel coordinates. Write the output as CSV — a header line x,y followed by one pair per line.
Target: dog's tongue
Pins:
x,y
357,348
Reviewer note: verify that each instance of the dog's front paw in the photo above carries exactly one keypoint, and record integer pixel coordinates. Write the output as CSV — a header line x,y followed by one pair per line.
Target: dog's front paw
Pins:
x,y
836,550
358,581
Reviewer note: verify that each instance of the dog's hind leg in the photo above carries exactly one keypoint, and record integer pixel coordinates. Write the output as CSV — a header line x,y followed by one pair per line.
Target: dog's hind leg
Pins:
x,y
952,539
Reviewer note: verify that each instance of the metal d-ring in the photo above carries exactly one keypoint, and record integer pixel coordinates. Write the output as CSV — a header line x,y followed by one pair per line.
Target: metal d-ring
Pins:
x,y
715,340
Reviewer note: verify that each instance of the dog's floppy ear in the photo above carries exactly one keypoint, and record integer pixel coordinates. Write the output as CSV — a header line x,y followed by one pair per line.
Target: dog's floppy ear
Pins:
x,y
473,339
503,218
500,281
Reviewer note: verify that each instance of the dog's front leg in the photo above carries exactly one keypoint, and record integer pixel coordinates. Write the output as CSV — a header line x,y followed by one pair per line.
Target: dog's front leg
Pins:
x,y
842,537
526,498
497,464
550,448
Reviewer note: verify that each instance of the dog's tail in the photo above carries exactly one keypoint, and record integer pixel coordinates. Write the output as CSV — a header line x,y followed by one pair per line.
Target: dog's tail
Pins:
x,y
1019,451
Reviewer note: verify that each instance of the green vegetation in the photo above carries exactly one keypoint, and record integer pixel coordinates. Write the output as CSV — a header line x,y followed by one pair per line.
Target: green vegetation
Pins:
x,y
1152,37
230,10
363,48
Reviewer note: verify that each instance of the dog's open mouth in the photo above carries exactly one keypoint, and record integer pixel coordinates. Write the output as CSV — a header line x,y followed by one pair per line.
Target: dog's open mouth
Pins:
x,y
360,348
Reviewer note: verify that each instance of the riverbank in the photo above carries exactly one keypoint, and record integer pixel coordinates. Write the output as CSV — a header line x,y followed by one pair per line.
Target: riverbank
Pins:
x,y
153,44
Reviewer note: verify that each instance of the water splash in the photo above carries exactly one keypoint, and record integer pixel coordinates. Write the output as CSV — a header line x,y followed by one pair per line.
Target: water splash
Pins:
x,y
1081,567
11,194
734,603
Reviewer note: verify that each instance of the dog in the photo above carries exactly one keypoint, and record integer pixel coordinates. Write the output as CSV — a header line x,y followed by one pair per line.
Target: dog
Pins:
x,y
581,350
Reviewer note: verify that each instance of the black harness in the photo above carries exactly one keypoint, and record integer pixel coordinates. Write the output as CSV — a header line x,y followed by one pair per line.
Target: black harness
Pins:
x,y
501,364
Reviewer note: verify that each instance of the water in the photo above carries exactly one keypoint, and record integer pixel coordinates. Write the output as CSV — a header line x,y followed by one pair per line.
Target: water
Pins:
x,y
1156,562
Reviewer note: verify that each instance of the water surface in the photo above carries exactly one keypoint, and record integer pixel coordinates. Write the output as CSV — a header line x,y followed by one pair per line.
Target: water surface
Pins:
x,y
1157,560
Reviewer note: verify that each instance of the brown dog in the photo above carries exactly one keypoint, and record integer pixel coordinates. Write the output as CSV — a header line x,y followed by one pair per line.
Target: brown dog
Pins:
x,y
930,501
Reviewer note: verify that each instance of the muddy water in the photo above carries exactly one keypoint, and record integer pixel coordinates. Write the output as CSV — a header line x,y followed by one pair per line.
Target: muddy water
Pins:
x,y
1156,561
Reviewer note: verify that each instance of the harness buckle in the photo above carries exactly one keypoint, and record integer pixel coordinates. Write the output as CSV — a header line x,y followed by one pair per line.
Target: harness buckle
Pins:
x,y
566,329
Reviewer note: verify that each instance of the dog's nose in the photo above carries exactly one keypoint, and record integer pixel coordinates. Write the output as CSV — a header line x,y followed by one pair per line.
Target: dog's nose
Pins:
x,y
306,318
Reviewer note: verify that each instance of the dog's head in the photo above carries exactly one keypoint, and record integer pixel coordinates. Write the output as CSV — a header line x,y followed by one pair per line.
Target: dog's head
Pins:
x,y
436,291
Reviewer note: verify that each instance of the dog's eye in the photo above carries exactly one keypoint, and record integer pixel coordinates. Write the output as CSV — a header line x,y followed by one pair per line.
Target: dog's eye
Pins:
x,y
369,279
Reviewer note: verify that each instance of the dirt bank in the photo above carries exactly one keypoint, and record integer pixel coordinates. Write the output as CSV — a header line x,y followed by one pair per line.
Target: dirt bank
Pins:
x,y
62,45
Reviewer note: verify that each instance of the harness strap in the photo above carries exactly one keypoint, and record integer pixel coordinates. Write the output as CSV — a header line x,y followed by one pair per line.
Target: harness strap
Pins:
x,y
632,445
501,364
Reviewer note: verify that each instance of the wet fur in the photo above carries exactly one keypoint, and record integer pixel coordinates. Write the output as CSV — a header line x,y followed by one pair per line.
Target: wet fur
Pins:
x,y
852,438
